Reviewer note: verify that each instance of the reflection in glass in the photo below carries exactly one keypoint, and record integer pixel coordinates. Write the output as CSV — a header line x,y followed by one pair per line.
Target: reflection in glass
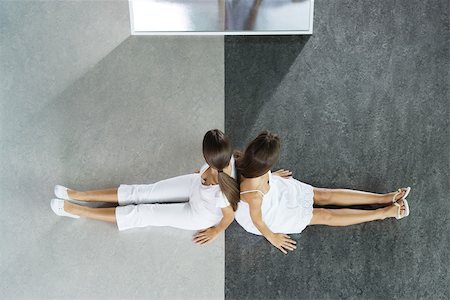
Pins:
x,y
243,15
177,15
226,16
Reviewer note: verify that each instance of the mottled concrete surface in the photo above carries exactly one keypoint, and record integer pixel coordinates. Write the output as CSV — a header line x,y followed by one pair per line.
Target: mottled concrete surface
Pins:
x,y
361,104
87,106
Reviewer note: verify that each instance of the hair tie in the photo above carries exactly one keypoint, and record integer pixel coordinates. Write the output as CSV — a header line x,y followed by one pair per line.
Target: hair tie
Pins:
x,y
220,171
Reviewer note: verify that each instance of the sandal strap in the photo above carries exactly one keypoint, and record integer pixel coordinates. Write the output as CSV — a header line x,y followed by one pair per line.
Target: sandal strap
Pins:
x,y
395,195
407,190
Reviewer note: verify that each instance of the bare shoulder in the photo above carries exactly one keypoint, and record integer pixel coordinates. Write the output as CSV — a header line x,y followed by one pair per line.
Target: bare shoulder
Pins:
x,y
250,185
253,183
253,199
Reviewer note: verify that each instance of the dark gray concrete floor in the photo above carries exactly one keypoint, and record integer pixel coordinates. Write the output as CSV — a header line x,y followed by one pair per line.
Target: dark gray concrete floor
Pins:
x,y
361,104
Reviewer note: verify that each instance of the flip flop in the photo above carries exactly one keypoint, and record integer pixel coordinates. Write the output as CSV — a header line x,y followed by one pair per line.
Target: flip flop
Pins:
x,y
408,189
398,216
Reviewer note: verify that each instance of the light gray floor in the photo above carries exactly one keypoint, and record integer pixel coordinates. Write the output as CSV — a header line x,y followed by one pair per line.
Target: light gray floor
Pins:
x,y
87,106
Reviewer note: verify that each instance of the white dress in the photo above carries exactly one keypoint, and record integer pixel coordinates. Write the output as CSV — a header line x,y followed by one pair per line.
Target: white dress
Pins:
x,y
286,208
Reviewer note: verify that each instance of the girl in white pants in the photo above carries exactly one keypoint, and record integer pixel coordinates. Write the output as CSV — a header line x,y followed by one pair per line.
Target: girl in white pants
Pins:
x,y
203,201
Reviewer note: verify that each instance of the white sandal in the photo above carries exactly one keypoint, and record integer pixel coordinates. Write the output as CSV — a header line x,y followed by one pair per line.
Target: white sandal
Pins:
x,y
57,206
408,189
406,213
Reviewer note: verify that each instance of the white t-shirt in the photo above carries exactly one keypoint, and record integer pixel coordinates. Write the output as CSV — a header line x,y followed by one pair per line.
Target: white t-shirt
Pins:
x,y
213,191
210,197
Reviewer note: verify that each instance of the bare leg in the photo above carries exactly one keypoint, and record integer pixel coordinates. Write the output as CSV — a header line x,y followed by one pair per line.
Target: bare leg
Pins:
x,y
346,216
107,195
102,214
346,197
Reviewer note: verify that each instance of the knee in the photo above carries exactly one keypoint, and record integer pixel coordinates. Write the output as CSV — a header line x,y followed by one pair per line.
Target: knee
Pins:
x,y
321,216
326,215
322,196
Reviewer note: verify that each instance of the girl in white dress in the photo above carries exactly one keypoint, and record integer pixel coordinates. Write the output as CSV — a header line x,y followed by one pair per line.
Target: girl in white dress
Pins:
x,y
203,201
274,206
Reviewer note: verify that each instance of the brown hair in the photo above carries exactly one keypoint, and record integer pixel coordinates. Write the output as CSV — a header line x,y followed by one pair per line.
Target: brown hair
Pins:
x,y
259,156
217,152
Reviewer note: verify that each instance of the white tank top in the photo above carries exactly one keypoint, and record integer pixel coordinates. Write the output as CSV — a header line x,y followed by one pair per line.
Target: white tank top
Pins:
x,y
286,207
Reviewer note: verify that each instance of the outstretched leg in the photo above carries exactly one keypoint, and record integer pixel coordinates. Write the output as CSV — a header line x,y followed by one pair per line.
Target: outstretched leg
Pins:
x,y
346,197
102,214
175,189
106,195
178,215
346,217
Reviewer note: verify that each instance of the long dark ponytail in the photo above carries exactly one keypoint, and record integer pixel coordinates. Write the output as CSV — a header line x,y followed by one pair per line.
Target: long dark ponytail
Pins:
x,y
259,156
217,152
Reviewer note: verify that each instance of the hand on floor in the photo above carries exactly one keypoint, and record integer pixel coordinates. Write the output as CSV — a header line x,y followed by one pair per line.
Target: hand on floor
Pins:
x,y
283,242
205,236
283,173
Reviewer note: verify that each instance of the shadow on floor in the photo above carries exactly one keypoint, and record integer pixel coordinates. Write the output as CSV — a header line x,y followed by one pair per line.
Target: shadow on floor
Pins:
x,y
263,62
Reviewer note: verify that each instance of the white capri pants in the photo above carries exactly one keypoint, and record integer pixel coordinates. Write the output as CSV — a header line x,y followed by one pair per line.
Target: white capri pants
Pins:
x,y
149,211
176,189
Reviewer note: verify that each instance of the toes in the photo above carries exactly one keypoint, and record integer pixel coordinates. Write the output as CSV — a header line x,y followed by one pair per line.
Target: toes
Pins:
x,y
402,206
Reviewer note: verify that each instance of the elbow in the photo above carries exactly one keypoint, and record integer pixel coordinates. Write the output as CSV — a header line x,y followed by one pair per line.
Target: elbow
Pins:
x,y
229,219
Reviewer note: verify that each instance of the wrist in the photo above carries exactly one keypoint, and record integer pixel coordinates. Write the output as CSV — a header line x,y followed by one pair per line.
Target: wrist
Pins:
x,y
269,236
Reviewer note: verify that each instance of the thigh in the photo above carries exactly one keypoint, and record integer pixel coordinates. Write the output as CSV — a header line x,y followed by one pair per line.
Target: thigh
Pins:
x,y
322,196
320,216
175,189
178,215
